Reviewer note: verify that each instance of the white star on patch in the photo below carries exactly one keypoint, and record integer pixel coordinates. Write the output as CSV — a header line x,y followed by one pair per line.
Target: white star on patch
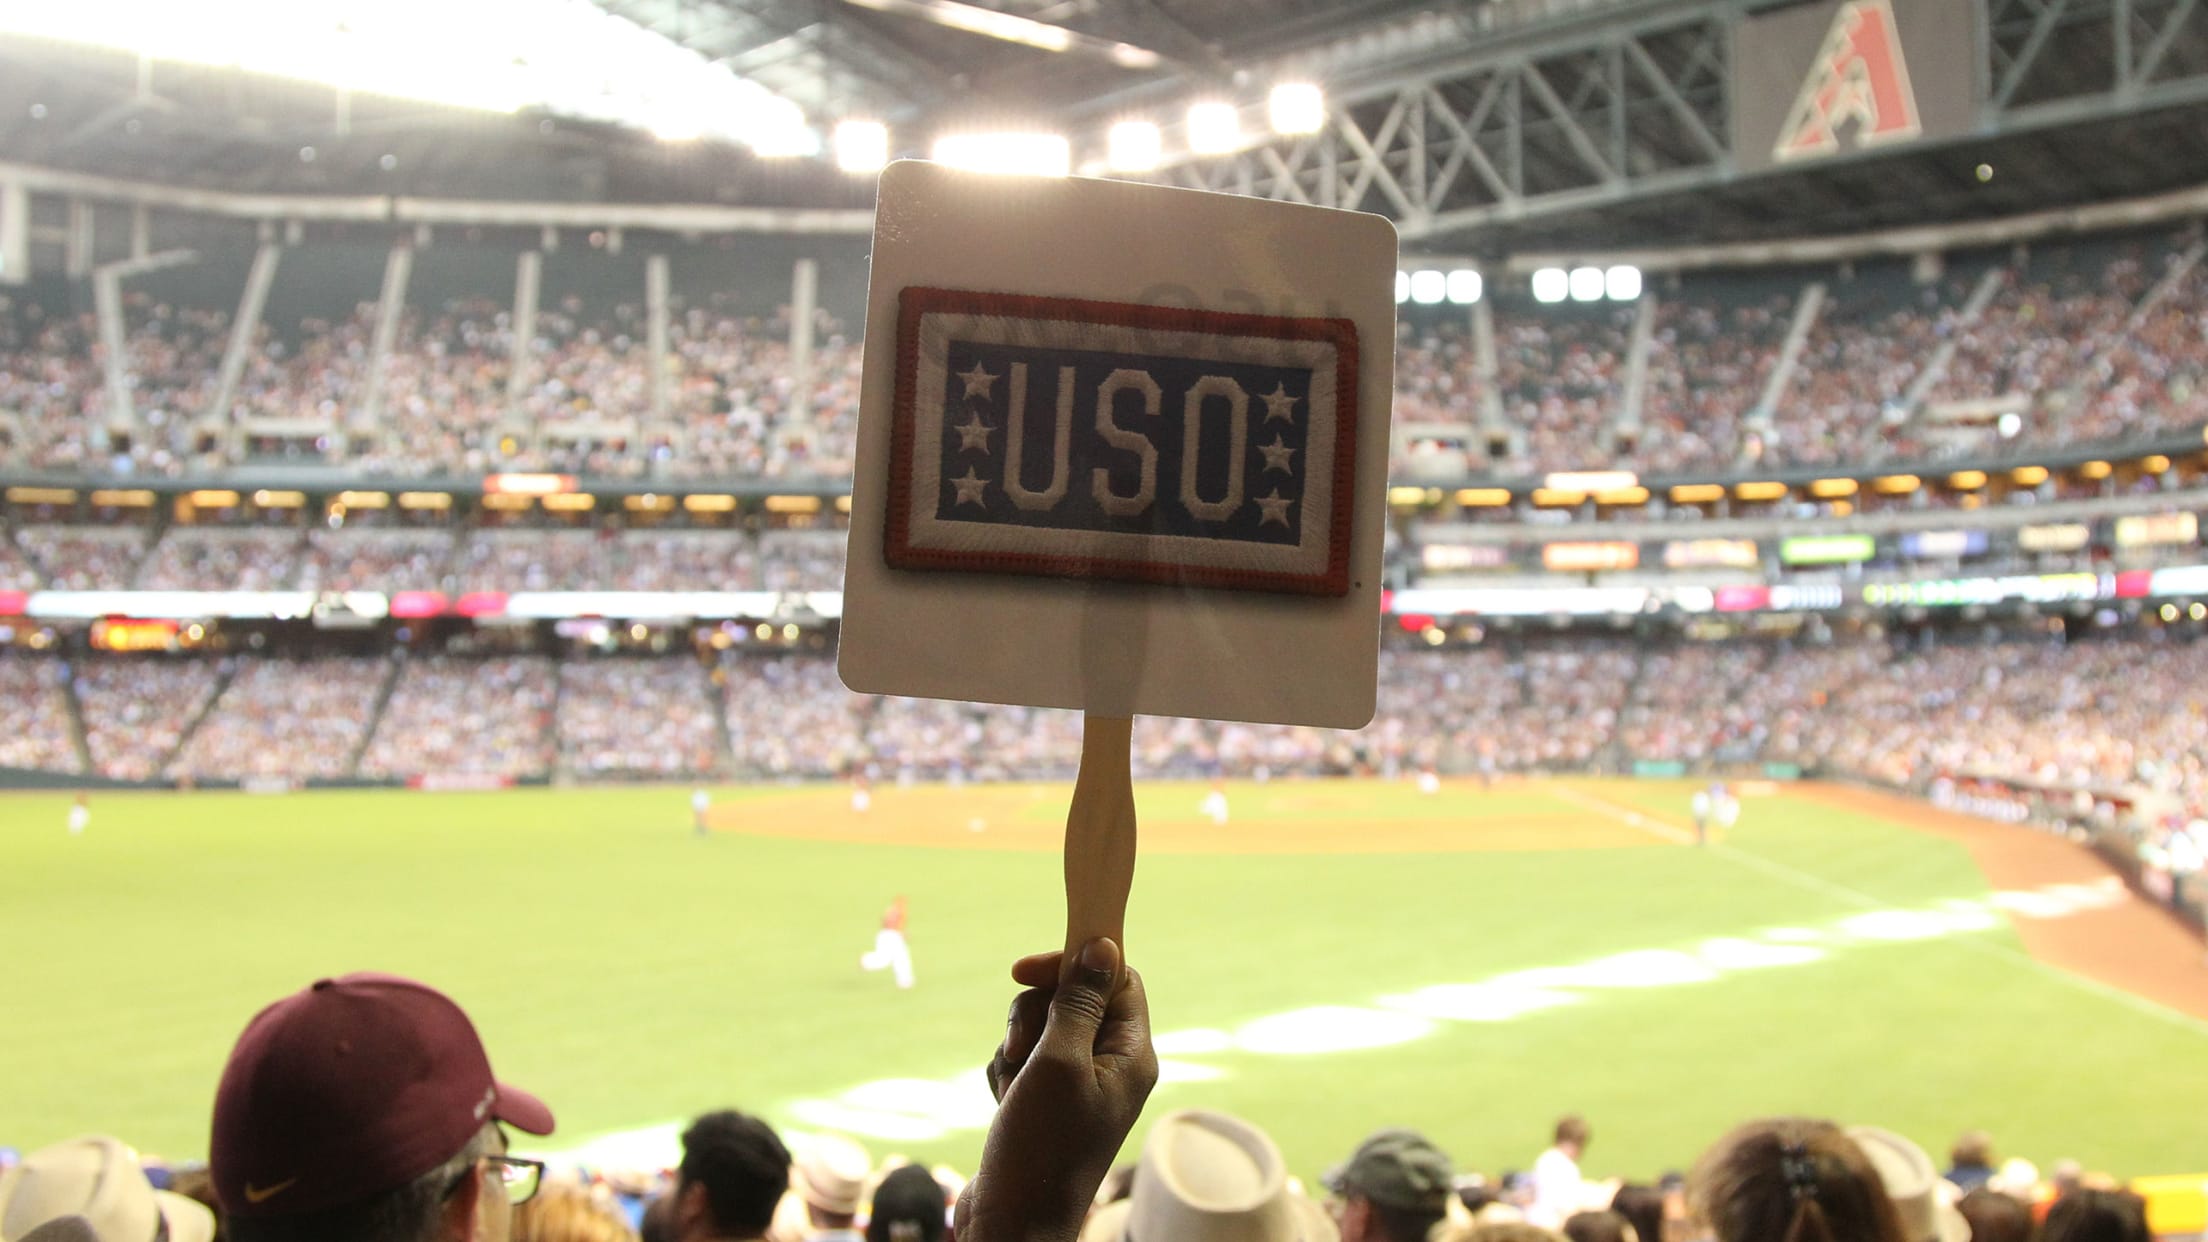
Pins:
x,y
1277,455
1278,404
978,381
1275,506
970,487
973,435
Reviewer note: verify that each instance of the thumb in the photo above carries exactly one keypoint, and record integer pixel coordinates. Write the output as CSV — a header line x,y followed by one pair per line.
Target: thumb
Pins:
x,y
1077,1007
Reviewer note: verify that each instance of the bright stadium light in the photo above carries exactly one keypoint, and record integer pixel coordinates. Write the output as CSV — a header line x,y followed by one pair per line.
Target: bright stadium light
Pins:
x,y
567,58
1034,155
1551,284
1586,284
1133,147
1622,283
861,146
1402,288
1214,128
1296,108
1464,286
1428,287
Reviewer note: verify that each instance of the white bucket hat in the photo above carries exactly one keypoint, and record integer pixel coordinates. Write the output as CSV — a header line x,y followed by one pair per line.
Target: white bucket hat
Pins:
x,y
1209,1177
98,1180
1915,1186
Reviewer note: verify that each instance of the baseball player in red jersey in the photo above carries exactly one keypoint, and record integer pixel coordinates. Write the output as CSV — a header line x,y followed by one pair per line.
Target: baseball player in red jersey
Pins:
x,y
890,950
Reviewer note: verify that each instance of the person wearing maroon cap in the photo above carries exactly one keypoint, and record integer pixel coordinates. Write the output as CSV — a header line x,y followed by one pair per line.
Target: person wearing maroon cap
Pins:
x,y
363,1109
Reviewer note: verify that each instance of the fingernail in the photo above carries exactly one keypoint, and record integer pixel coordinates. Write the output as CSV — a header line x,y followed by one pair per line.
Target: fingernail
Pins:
x,y
1099,956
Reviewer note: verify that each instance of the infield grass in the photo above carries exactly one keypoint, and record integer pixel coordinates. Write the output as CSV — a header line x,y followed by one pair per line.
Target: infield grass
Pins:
x,y
635,974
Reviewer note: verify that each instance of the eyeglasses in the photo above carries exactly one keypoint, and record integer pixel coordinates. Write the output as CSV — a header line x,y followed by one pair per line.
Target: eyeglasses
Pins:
x,y
521,1178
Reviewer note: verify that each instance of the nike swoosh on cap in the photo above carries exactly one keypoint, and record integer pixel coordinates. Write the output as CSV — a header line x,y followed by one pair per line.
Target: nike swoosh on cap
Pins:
x,y
262,1194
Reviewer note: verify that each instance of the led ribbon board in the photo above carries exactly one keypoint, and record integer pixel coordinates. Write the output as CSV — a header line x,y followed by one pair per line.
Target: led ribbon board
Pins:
x,y
1066,438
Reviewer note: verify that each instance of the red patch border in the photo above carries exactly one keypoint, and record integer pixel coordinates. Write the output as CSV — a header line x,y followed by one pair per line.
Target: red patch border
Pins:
x,y
916,302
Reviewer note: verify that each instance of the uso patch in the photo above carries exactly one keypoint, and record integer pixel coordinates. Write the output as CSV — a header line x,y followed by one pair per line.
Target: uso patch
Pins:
x,y
1062,438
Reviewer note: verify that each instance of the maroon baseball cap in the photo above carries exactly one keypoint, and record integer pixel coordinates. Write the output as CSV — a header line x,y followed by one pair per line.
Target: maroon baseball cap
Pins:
x,y
355,1086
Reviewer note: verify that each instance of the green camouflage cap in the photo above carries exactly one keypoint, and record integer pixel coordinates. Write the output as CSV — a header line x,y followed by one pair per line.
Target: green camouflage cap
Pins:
x,y
1397,1169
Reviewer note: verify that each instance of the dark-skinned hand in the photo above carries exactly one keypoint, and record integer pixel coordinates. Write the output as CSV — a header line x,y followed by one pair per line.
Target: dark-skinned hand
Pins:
x,y
1070,1079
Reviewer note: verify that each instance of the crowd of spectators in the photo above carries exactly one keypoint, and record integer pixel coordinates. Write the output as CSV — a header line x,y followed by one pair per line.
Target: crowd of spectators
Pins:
x,y
1707,365
284,720
410,1078
2063,337
371,559
38,733
636,717
215,558
84,558
451,716
17,573
2040,711
136,711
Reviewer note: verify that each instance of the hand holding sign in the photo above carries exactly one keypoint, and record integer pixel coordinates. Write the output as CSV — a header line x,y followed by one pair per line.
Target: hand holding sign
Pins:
x,y
1122,448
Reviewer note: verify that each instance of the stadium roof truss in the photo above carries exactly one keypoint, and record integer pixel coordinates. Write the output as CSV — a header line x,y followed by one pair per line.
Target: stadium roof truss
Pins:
x,y
1633,103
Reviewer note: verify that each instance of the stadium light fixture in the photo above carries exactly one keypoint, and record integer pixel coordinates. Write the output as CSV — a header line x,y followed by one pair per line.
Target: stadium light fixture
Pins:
x,y
1586,284
1133,147
2155,464
860,146
1551,284
1028,154
1402,287
1214,127
1296,108
1622,283
1464,286
2095,470
569,59
1428,287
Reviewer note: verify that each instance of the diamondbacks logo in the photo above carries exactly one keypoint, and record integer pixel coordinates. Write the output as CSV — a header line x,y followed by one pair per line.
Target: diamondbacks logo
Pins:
x,y
1054,437
1858,78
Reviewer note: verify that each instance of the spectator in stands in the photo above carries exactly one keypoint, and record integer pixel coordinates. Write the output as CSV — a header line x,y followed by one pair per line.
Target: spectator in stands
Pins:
x,y
831,1178
734,1170
2096,1216
1790,1179
1920,1198
1558,1188
63,1229
908,1207
195,1183
1995,1217
1207,1177
1643,1208
569,1213
1603,1226
1501,1231
363,1109
98,1181
1970,1161
1394,1188
1083,1027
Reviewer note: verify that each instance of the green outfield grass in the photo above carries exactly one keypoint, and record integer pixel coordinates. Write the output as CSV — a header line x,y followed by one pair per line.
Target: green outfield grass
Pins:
x,y
635,974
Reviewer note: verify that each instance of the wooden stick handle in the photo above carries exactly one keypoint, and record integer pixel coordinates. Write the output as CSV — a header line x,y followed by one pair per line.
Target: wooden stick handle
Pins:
x,y
1100,834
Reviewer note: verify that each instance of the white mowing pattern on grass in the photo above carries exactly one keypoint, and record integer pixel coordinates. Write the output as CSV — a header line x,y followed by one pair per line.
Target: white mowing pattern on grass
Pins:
x,y
916,1110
